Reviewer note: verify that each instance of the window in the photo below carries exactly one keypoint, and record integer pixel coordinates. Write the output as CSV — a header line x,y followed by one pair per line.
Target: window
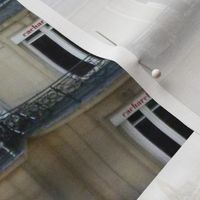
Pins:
x,y
60,53
157,131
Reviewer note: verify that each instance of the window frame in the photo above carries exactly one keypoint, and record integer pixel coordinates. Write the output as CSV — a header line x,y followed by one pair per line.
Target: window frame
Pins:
x,y
67,46
144,142
159,123
138,137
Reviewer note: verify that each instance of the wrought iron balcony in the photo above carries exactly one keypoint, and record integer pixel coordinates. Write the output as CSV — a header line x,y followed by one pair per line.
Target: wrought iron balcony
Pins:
x,y
60,98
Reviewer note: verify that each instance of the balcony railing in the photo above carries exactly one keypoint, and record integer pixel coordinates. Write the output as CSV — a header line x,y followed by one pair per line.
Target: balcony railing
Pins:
x,y
60,98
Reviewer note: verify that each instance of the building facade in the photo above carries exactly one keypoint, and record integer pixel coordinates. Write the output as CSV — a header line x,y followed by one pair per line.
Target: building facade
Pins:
x,y
75,84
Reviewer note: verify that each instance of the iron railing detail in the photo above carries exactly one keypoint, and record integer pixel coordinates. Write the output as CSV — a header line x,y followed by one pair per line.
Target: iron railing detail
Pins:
x,y
61,97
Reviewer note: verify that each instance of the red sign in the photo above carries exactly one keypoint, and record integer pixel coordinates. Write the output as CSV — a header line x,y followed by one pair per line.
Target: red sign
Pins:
x,y
22,35
130,109
138,103
34,27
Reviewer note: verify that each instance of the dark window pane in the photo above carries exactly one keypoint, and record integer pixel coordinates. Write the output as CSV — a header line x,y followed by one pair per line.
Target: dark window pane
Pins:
x,y
61,57
157,137
135,117
151,104
173,122
33,35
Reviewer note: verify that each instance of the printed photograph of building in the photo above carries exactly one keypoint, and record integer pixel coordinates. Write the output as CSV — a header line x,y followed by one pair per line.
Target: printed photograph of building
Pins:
x,y
99,100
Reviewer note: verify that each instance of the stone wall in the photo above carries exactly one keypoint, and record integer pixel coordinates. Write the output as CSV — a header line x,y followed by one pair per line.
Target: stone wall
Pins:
x,y
22,75
87,158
